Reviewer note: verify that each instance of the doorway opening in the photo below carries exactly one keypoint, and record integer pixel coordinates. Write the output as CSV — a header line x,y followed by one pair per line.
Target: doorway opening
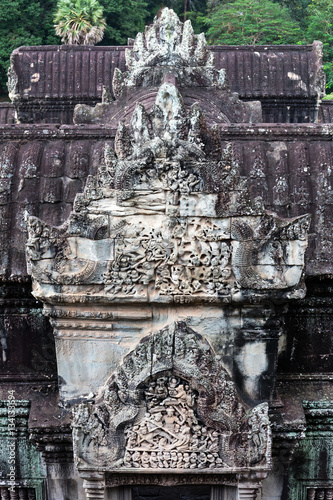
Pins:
x,y
171,492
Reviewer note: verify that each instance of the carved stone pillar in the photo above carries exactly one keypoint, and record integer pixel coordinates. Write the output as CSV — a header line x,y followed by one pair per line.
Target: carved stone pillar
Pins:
x,y
216,493
247,491
55,446
94,486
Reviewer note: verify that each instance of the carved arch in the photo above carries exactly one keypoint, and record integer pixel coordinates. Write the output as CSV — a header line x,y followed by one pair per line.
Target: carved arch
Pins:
x,y
180,350
195,396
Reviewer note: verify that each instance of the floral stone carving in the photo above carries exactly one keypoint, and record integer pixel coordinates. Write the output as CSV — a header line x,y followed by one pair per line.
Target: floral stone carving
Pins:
x,y
168,218
169,51
170,43
171,405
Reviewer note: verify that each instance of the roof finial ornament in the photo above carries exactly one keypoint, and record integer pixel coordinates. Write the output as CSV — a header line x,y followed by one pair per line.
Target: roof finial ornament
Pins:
x,y
168,43
169,52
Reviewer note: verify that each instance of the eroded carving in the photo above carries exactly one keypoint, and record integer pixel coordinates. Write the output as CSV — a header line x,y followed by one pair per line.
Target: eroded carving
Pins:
x,y
171,405
12,81
169,52
47,245
170,257
170,43
168,217
115,479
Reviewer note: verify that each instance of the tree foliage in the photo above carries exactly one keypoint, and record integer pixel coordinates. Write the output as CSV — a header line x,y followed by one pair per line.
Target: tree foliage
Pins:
x,y
124,19
320,27
250,22
30,22
298,10
79,22
24,22
186,9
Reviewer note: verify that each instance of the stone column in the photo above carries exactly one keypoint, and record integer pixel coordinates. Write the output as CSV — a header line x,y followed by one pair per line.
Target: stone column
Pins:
x,y
56,448
247,491
94,486
216,493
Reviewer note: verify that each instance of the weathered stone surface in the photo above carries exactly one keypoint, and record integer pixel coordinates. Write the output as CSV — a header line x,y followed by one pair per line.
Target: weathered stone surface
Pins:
x,y
26,340
292,180
32,471
167,219
166,281
287,80
7,113
171,218
308,346
172,422
169,53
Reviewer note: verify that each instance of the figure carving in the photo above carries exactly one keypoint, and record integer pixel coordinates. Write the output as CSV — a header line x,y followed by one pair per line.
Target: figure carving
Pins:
x,y
259,426
175,220
188,414
170,425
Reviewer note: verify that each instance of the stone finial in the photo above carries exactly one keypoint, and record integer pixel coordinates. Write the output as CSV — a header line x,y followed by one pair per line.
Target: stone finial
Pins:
x,y
197,125
12,83
122,142
169,116
222,81
168,43
106,95
117,83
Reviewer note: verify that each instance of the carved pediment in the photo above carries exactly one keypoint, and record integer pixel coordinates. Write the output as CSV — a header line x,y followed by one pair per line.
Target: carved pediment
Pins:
x,y
171,405
169,52
168,218
172,44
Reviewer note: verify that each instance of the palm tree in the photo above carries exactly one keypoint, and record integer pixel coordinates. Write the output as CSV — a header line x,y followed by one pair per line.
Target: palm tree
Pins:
x,y
79,22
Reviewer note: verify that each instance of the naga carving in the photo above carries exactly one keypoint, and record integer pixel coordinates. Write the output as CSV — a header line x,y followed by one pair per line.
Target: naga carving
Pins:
x,y
169,52
168,218
170,43
171,405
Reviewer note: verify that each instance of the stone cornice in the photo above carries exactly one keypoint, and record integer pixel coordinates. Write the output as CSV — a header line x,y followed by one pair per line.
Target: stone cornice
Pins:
x,y
264,131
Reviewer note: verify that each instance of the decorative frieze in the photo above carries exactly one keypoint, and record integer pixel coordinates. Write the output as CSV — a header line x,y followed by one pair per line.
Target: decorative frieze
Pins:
x,y
167,219
116,479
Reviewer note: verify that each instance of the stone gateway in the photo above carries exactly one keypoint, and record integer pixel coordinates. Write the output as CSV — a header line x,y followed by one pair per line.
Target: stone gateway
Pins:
x,y
182,261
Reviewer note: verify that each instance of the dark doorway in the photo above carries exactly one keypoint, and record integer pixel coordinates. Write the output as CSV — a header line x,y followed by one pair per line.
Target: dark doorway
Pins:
x,y
171,493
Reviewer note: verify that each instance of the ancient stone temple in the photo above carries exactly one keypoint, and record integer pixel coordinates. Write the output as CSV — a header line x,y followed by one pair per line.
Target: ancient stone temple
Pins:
x,y
166,273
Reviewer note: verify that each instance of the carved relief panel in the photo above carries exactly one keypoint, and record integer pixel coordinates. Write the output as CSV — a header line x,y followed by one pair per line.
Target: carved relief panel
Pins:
x,y
167,219
171,405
